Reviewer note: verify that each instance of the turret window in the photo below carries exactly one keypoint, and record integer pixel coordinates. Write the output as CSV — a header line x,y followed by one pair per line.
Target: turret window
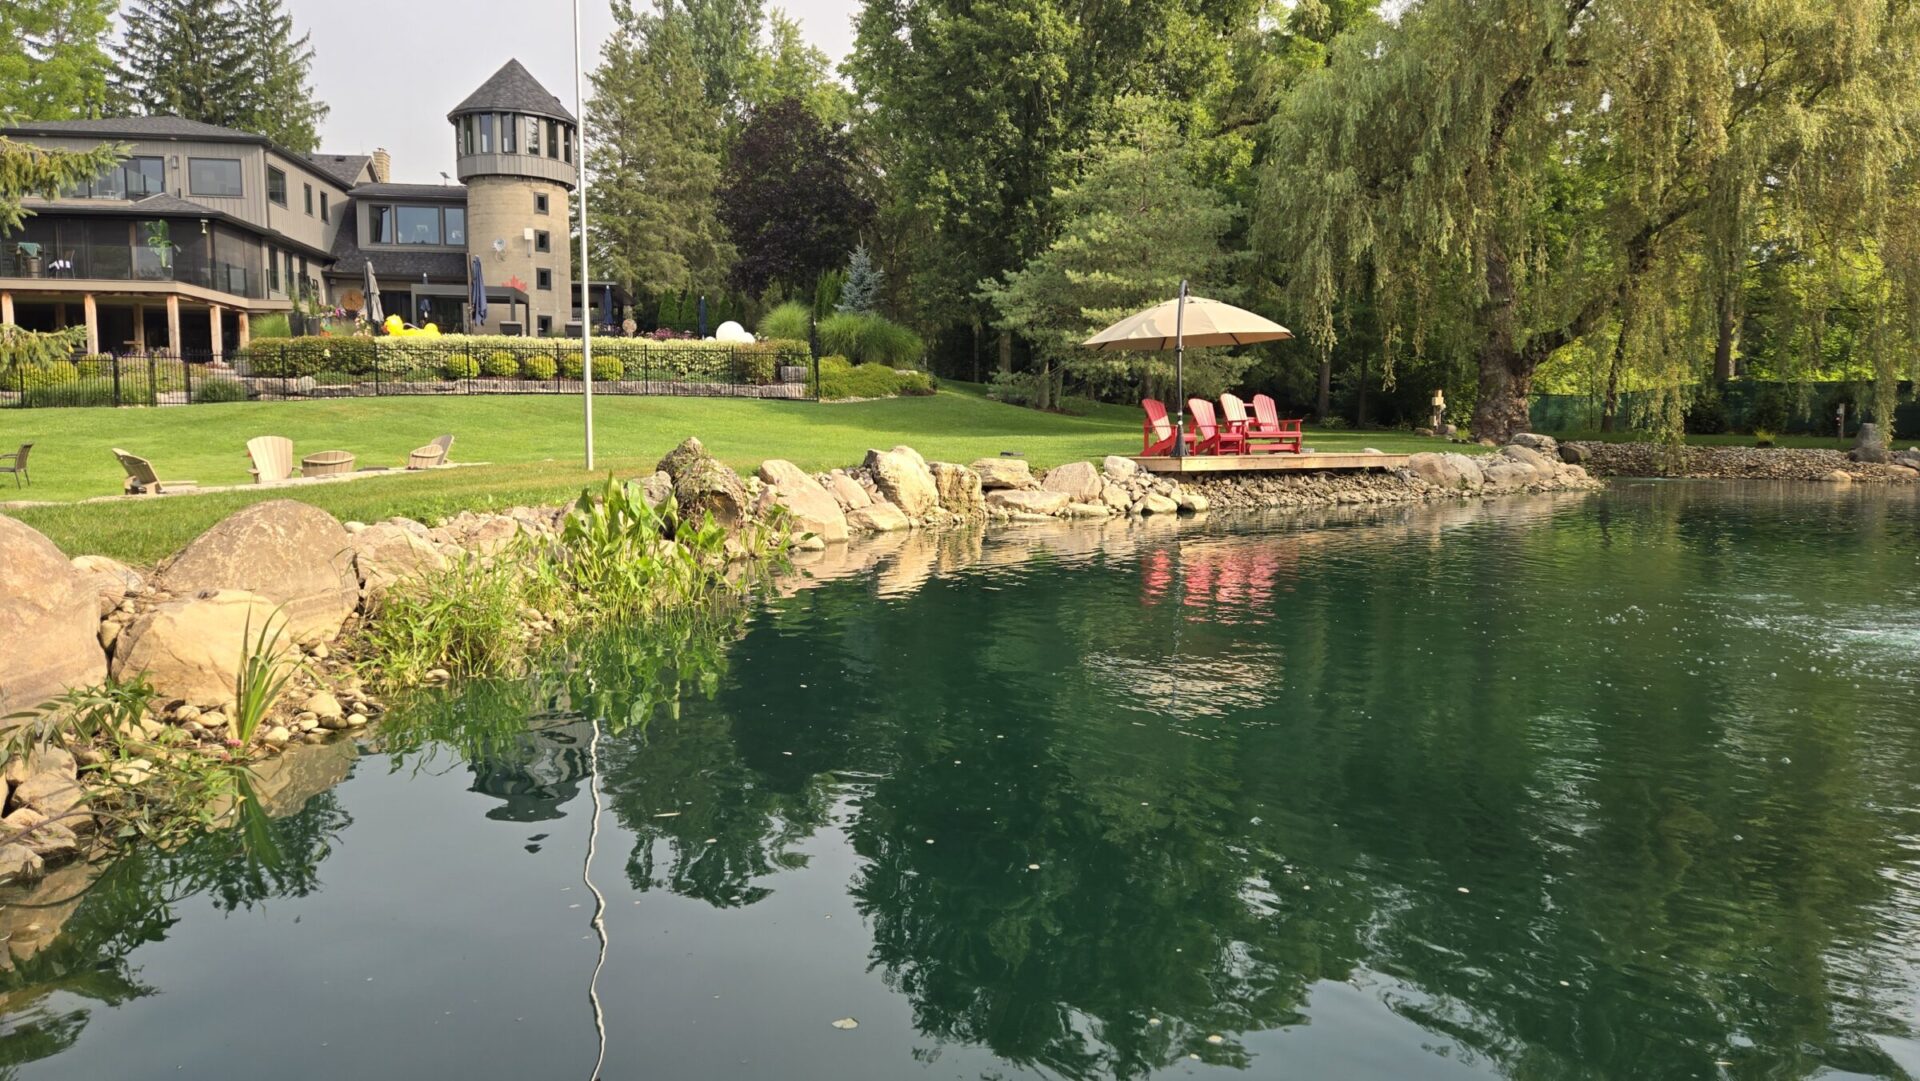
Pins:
x,y
553,139
509,133
539,202
533,136
543,279
542,240
486,133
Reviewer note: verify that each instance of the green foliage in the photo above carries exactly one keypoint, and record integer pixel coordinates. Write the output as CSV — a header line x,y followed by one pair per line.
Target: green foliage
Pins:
x,y
235,63
860,291
293,357
460,366
22,350
1763,437
871,339
840,378
268,663
43,376
792,320
53,64
465,619
219,390
573,363
499,364
539,366
271,325
827,292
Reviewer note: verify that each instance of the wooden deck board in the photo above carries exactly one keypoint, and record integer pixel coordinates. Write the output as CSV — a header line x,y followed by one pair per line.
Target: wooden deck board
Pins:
x,y
1270,463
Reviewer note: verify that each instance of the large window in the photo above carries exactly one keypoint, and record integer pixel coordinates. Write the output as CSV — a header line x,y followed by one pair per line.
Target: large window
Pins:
x,y
486,133
533,136
379,225
417,224
553,139
219,177
456,225
134,178
509,132
276,186
323,206
309,200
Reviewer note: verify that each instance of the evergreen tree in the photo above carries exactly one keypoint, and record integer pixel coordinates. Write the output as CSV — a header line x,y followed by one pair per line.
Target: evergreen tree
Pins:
x,y
237,65
861,291
653,149
280,66
53,65
26,170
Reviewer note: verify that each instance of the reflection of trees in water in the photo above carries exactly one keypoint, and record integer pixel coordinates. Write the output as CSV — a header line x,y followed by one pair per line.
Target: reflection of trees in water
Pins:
x,y
116,909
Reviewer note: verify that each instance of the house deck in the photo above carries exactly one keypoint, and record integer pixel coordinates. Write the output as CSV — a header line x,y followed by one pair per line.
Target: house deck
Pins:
x,y
1269,463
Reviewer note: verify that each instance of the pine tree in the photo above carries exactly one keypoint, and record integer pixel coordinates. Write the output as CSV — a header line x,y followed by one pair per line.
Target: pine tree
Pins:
x,y
280,67
237,65
52,62
861,293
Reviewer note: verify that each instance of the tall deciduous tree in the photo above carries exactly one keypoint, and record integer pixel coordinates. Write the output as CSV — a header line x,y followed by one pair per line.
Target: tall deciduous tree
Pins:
x,y
1133,226
53,63
786,66
788,200
653,147
1420,164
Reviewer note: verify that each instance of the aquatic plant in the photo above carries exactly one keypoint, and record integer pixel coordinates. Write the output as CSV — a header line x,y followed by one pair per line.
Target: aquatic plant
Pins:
x,y
267,666
466,619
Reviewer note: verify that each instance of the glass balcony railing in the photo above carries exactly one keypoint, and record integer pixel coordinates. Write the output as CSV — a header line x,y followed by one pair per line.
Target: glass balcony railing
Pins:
x,y
128,262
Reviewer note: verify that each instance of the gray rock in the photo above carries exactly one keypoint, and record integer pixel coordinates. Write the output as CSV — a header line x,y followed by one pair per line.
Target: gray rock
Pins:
x,y
190,648
1030,501
705,486
656,487
294,554
1004,473
904,480
1115,496
812,508
49,621
878,518
1191,501
50,792
1119,467
959,489
676,461
1545,444
385,553
1868,447
848,492
1574,454
1155,503
1078,481
1541,463
18,863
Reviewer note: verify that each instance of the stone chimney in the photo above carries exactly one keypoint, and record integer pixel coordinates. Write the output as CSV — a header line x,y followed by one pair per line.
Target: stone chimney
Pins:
x,y
382,166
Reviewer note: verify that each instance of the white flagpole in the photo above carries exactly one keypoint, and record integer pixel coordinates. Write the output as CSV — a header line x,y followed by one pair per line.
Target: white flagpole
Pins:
x,y
586,301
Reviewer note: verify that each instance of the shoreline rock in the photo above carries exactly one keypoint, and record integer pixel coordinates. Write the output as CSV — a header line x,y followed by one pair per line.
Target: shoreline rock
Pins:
x,y
1741,463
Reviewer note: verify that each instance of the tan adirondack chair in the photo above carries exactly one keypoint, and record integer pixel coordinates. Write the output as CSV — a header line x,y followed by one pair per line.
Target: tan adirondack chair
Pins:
x,y
272,458
445,443
141,479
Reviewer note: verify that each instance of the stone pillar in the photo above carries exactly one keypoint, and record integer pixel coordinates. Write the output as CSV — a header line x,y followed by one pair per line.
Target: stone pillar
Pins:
x,y
6,307
213,329
92,312
140,328
173,324
246,332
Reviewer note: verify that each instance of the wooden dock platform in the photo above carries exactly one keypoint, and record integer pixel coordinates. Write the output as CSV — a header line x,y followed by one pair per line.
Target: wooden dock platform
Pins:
x,y
1270,463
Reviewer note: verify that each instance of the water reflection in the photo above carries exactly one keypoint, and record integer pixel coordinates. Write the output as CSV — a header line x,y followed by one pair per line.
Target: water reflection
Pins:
x,y
1564,790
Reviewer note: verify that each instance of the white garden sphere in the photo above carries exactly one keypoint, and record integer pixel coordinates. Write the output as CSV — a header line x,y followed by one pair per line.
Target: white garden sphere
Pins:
x,y
731,331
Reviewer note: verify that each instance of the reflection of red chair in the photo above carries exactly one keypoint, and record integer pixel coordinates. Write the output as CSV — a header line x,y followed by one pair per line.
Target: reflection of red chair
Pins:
x,y
1156,432
1209,436
1267,423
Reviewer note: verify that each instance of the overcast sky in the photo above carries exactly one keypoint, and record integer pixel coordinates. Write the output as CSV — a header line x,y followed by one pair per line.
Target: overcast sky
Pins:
x,y
391,69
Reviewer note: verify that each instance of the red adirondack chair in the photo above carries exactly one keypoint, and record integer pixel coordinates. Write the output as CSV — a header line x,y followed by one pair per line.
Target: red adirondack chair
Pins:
x,y
1284,434
1209,435
1156,432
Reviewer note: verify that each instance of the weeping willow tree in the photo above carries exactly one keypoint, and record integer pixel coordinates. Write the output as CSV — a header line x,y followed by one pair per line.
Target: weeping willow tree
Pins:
x,y
1538,170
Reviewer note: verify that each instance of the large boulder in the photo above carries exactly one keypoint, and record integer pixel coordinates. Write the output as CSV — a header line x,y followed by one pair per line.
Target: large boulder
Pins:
x,y
1033,501
1543,464
1120,467
49,621
813,509
1545,444
1079,481
877,518
1472,475
903,478
191,648
958,488
1506,474
848,492
705,486
291,553
110,579
384,553
1436,469
1004,473
1574,454
1867,446
679,458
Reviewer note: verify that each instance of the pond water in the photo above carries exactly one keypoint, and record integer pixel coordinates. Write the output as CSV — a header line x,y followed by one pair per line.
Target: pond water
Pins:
x,y
1620,786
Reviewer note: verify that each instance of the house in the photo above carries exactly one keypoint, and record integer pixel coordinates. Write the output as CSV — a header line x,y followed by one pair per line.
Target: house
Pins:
x,y
200,228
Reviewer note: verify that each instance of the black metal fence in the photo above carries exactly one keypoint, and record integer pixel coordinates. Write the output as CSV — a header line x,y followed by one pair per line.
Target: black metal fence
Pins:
x,y
314,368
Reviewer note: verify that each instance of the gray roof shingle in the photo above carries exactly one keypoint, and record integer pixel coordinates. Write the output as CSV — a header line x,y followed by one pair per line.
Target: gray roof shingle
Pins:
x,y
136,127
344,168
513,89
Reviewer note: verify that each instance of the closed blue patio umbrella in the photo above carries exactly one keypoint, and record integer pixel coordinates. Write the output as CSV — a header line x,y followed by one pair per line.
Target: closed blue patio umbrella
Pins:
x,y
477,294
606,306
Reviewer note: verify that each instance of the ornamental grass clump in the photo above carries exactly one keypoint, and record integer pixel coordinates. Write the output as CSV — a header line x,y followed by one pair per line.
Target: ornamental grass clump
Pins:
x,y
466,619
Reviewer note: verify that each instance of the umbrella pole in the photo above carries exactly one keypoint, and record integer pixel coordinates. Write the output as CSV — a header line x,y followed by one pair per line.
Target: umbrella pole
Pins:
x,y
1180,373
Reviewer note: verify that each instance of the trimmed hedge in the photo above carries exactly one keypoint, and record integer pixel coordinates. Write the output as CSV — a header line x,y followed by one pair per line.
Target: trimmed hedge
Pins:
x,y
402,358
539,367
499,364
840,378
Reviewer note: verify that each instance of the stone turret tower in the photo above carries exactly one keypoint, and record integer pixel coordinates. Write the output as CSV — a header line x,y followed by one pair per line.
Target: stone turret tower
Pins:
x,y
517,151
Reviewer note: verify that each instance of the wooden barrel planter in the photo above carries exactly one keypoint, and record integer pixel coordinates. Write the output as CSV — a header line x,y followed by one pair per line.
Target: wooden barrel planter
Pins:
x,y
327,463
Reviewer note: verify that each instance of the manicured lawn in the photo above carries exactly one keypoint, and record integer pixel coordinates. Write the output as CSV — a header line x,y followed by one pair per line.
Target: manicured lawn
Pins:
x,y
533,444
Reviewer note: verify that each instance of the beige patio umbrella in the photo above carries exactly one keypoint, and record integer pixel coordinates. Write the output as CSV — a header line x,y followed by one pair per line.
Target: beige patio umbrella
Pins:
x,y
1180,322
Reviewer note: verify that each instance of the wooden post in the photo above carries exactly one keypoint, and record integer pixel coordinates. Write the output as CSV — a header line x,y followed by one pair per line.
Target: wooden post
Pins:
x,y
60,316
246,332
140,328
6,307
213,327
173,324
92,313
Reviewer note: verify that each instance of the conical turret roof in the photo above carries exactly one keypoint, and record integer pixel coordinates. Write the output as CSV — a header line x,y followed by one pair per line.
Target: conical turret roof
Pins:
x,y
513,89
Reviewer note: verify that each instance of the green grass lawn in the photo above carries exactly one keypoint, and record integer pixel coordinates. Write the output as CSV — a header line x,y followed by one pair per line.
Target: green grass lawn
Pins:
x,y
533,443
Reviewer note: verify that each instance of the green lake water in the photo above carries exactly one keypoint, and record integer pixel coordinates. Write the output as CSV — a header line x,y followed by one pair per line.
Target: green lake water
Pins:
x,y
1619,786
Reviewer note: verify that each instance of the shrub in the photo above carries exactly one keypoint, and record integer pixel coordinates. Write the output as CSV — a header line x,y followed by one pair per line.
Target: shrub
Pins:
x,y
220,390
291,357
572,365
76,393
420,375
1708,413
41,376
841,379
538,367
499,364
1762,437
790,320
871,339
460,366
96,366
1771,409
